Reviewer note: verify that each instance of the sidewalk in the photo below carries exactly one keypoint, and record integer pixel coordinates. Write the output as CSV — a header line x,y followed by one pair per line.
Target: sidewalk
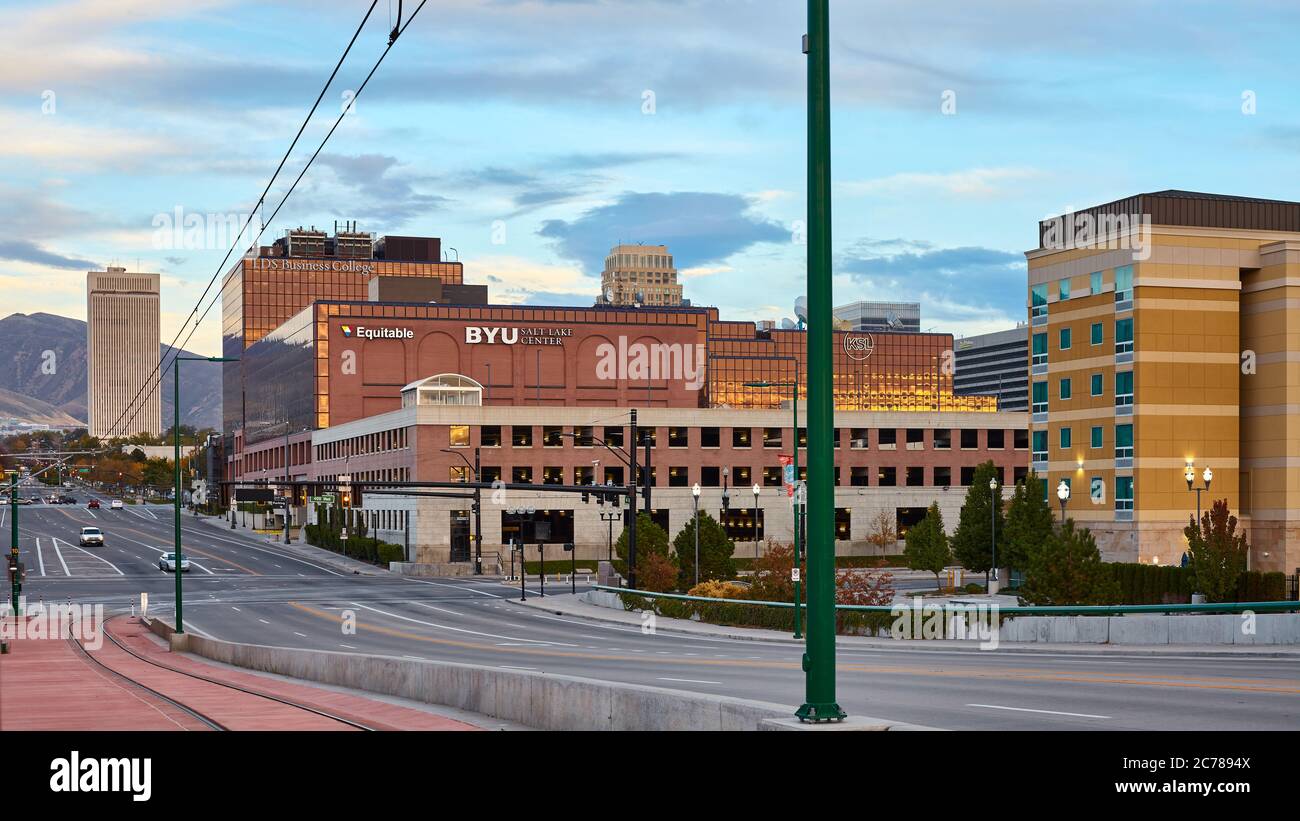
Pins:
x,y
567,604
49,684
299,548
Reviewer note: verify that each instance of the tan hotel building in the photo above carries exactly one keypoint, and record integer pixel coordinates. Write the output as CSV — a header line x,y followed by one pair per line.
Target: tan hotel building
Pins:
x,y
1165,331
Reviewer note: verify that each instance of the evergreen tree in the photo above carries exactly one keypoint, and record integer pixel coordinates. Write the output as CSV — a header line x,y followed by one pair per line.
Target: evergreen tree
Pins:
x,y
1029,523
715,551
972,541
1217,552
1067,569
650,538
927,544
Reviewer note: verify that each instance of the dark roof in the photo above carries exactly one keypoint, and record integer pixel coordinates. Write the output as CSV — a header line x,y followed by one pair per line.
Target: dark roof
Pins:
x,y
1199,210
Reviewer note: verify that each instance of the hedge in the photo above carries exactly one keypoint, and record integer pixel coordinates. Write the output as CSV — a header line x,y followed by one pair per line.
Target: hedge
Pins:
x,y
1168,584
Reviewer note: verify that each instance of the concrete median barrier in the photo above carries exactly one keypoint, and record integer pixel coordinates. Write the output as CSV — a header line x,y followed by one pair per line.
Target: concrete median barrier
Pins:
x,y
541,700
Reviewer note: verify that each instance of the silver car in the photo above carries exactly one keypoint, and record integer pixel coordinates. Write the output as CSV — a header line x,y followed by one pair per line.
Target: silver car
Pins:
x,y
92,536
167,563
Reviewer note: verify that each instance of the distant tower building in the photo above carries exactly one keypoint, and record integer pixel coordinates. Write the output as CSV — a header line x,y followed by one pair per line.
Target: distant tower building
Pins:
x,y
640,274
122,349
896,317
994,364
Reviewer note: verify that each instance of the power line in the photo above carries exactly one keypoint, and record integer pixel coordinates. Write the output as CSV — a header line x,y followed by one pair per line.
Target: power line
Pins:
x,y
298,179
159,369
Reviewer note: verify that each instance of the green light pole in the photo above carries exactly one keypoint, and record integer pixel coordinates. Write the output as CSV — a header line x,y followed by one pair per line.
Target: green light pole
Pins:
x,y
798,540
819,658
13,538
176,464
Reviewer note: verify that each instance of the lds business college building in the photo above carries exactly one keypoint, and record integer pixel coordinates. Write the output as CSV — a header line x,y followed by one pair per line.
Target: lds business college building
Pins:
x,y
413,380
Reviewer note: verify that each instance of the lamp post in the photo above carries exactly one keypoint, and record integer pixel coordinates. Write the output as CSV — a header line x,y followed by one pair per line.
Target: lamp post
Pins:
x,y
1189,473
176,464
1063,493
756,492
993,536
695,497
478,508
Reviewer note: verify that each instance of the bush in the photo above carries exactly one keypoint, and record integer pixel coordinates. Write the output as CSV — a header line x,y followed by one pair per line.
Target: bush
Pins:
x,y
754,615
1067,569
864,587
771,580
715,551
1216,552
1256,586
656,573
1150,584
714,589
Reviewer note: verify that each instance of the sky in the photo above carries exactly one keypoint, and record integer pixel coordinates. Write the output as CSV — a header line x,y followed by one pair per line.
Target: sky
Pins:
x,y
532,136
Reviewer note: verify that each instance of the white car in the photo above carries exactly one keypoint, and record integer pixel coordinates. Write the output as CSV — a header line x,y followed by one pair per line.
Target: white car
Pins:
x,y
92,536
116,504
167,563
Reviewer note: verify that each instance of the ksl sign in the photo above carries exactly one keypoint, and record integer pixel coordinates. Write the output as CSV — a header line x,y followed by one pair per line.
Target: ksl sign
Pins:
x,y
858,346
477,335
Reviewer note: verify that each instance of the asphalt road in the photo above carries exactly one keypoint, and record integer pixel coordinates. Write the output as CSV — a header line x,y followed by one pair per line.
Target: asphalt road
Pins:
x,y
243,590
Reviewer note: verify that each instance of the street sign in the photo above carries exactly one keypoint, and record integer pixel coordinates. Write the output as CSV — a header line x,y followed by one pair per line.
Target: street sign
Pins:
x,y
794,574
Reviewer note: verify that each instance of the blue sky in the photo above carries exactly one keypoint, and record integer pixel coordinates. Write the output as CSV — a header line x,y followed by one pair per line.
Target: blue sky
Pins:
x,y
519,132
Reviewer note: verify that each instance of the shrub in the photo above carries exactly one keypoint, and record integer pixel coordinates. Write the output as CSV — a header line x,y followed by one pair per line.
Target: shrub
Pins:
x,y
714,589
771,580
650,538
1216,552
656,573
1067,569
715,551
864,587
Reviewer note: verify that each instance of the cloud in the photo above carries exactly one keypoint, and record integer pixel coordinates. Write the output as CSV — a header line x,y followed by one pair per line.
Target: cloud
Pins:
x,y
698,228
19,250
517,281
382,190
973,183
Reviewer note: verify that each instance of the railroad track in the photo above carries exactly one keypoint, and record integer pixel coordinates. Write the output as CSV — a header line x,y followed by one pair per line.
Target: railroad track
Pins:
x,y
205,719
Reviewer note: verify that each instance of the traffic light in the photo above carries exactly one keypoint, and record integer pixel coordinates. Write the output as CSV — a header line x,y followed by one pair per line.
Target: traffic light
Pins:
x,y
586,497
345,498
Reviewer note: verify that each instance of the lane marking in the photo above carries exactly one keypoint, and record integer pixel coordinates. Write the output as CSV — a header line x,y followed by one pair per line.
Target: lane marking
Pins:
x,y
59,553
1028,710
93,556
460,629
40,558
350,647
214,537
512,667
456,587
688,680
264,621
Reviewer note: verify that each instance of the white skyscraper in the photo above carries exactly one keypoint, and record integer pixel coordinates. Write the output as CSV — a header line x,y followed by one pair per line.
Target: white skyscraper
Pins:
x,y
122,344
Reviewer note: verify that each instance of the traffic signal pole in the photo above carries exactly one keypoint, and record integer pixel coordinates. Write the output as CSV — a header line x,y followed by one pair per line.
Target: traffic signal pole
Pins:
x,y
630,523
15,581
819,659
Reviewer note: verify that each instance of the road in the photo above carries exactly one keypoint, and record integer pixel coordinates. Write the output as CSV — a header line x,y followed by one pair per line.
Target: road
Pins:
x,y
249,591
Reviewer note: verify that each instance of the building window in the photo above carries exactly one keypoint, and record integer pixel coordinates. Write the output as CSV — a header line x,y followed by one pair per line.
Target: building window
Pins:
x,y
1097,385
490,473
521,475
741,524
490,436
942,439
1123,283
740,475
860,476
942,477
771,437
1020,439
677,438
803,437
967,475
1040,349
1096,333
1094,283
887,477
772,477
614,437
1123,388
970,438
858,439
613,475
997,438
1038,300
459,473
1124,335
1094,436
843,528
552,475
915,476
1065,388
583,436
740,437
1123,492
584,475
1064,290
521,436
1040,397
915,438
887,438
680,476
459,436
552,436
1065,438
1065,339
1040,446
710,437
1124,441
648,435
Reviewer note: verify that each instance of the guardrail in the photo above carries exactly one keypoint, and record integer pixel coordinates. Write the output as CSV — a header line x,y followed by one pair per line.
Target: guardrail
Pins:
x,y
1013,610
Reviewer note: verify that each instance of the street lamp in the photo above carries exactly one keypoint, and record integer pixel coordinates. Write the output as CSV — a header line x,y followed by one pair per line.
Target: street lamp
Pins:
x,y
756,492
176,464
1189,473
1063,493
695,494
993,526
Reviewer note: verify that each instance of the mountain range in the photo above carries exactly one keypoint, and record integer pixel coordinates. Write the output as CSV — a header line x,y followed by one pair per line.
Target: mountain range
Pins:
x,y
29,393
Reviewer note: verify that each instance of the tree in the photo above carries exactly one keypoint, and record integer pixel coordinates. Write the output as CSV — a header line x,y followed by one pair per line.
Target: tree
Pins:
x,y
771,580
1066,568
883,531
650,538
715,551
656,573
1216,552
1029,522
972,541
927,544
